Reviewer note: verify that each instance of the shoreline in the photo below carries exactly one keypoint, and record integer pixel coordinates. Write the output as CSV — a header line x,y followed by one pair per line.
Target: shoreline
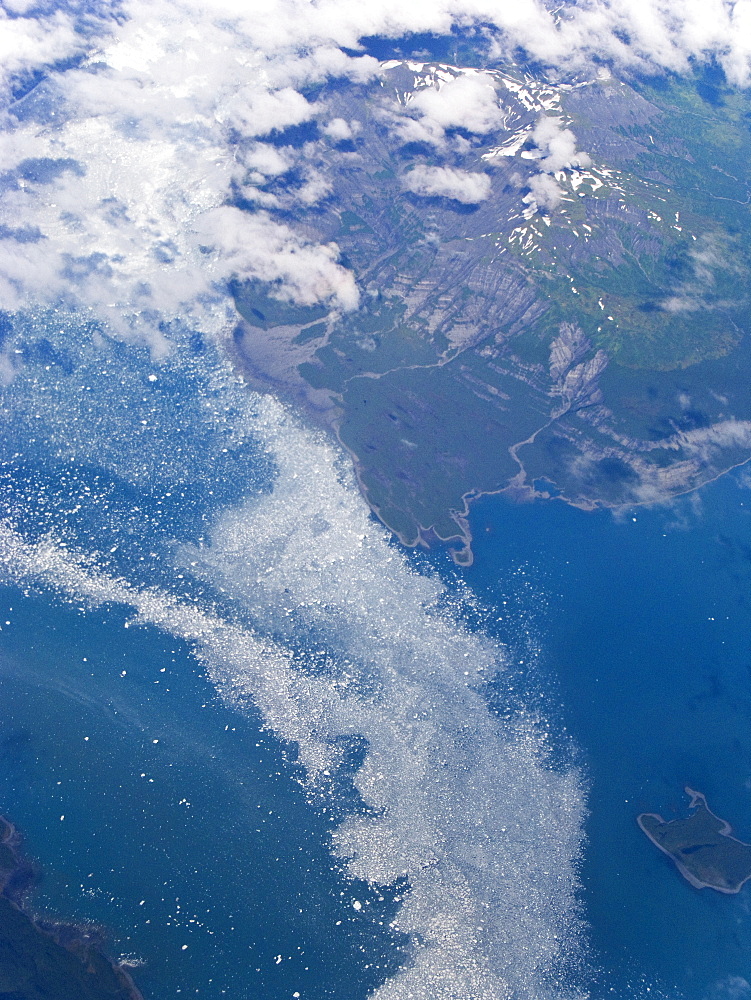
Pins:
x,y
79,949
322,409
725,830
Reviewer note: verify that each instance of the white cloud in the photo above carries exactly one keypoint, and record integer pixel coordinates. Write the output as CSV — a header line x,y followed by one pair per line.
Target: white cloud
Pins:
x,y
544,191
125,233
19,6
447,182
707,260
558,145
469,102
649,34
149,119
657,33
257,112
28,43
732,988
339,130
315,189
253,244
144,230
267,160
556,151
705,442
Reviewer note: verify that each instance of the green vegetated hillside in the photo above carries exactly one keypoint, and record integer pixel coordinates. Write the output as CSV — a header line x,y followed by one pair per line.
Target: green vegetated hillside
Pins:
x,y
457,374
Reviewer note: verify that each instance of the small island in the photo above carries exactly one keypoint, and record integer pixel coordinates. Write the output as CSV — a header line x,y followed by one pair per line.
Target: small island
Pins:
x,y
41,959
701,846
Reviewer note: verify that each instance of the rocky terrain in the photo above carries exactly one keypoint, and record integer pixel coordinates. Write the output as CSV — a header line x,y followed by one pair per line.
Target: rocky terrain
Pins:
x,y
552,295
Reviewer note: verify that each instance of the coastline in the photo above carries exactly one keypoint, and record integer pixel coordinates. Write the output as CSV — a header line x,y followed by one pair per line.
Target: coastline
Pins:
x,y
275,373
698,800
35,946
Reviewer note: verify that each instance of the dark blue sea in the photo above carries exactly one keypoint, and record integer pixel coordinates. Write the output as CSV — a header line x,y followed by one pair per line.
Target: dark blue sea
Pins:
x,y
173,822
644,622
182,824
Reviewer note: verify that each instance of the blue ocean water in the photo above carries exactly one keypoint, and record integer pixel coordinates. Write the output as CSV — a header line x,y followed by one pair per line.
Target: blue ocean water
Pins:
x,y
176,823
643,625
183,825
633,632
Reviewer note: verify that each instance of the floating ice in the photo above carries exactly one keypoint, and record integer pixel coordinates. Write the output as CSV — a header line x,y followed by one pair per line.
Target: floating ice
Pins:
x,y
333,634
348,640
